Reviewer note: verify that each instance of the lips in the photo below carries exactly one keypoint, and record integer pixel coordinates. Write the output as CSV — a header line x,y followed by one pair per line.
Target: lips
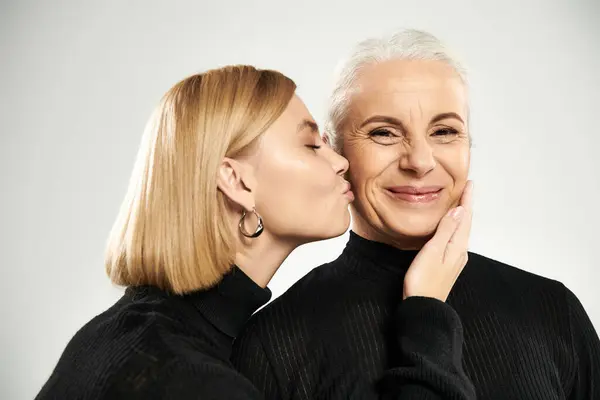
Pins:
x,y
414,194
347,192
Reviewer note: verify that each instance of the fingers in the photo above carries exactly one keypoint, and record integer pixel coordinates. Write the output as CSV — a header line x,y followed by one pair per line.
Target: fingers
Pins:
x,y
451,223
446,229
459,243
466,199
460,239
440,262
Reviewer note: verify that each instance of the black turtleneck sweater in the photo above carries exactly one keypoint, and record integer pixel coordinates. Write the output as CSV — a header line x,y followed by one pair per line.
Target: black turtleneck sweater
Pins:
x,y
334,334
155,345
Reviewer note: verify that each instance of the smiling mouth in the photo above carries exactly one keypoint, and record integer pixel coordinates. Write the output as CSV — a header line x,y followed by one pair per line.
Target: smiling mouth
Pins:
x,y
415,195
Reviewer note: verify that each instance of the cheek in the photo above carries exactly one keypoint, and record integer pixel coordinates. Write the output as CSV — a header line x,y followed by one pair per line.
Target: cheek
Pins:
x,y
367,161
456,161
299,196
289,182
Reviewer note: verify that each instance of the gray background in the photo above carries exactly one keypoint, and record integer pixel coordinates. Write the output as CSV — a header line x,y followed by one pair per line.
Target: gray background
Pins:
x,y
78,80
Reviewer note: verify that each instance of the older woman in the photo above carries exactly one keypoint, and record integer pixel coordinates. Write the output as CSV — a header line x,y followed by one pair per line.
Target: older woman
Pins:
x,y
400,114
231,176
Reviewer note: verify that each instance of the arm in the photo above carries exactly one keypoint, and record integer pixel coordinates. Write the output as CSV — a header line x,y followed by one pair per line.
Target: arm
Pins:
x,y
429,332
586,352
250,358
430,338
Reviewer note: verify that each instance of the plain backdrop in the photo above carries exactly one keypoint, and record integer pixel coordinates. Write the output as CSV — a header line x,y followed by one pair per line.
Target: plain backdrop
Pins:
x,y
79,79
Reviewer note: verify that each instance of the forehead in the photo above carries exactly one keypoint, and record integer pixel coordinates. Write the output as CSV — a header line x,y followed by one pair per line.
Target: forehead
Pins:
x,y
403,86
294,113
292,123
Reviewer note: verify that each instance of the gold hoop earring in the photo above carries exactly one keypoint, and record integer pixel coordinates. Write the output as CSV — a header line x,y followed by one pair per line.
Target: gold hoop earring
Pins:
x,y
259,228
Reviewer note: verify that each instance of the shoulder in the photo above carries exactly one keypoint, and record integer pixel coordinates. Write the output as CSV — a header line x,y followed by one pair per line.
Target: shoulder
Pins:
x,y
182,379
120,342
486,271
291,317
490,286
307,295
135,335
134,338
168,361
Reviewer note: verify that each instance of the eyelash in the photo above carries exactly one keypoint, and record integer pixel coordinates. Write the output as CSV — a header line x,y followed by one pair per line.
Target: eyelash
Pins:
x,y
387,133
450,131
381,132
313,146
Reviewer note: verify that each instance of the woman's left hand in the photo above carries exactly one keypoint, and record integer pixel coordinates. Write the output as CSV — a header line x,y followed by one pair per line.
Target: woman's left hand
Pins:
x,y
439,263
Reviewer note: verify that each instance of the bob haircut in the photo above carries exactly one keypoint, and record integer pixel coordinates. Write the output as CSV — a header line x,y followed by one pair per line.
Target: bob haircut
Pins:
x,y
171,231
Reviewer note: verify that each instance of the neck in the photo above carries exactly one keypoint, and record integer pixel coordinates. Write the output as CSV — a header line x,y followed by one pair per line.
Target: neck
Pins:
x,y
367,231
261,257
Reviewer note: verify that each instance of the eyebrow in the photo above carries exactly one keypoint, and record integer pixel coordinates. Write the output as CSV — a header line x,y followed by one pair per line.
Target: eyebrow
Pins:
x,y
450,115
397,122
306,123
384,119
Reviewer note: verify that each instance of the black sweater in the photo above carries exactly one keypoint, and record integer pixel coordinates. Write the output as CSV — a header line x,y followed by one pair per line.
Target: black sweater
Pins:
x,y
153,345
333,335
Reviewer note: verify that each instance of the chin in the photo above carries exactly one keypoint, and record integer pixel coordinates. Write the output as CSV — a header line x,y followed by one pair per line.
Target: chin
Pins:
x,y
413,225
331,228
340,227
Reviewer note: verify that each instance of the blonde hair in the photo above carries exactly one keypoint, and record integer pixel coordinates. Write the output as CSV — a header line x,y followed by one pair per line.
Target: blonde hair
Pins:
x,y
170,231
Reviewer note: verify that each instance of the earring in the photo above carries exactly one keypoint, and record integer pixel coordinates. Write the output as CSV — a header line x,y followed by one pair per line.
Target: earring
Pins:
x,y
259,228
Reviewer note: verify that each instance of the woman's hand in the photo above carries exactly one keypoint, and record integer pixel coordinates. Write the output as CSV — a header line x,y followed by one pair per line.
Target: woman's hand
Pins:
x,y
439,263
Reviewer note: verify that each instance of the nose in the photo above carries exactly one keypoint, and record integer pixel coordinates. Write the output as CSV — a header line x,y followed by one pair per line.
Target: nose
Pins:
x,y
338,163
418,158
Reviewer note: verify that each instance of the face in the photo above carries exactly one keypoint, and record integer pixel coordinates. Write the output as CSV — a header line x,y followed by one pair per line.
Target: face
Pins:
x,y
301,191
407,142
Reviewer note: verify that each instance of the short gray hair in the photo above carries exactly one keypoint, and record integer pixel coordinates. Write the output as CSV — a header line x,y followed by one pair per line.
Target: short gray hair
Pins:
x,y
408,44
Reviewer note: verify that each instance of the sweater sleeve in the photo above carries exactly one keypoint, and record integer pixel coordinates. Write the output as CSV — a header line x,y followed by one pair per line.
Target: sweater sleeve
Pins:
x,y
429,363
586,352
428,367
250,358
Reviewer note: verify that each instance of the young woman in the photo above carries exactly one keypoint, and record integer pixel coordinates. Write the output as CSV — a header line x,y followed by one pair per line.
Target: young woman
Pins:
x,y
232,175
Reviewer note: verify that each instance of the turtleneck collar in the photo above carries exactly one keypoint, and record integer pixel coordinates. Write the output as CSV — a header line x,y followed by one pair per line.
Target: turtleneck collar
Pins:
x,y
227,305
378,254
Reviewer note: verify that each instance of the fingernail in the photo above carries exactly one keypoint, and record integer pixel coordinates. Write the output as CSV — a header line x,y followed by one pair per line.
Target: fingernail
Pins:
x,y
457,213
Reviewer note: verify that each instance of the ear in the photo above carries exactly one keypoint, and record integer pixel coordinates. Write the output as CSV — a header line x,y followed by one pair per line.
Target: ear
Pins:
x,y
325,138
236,181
